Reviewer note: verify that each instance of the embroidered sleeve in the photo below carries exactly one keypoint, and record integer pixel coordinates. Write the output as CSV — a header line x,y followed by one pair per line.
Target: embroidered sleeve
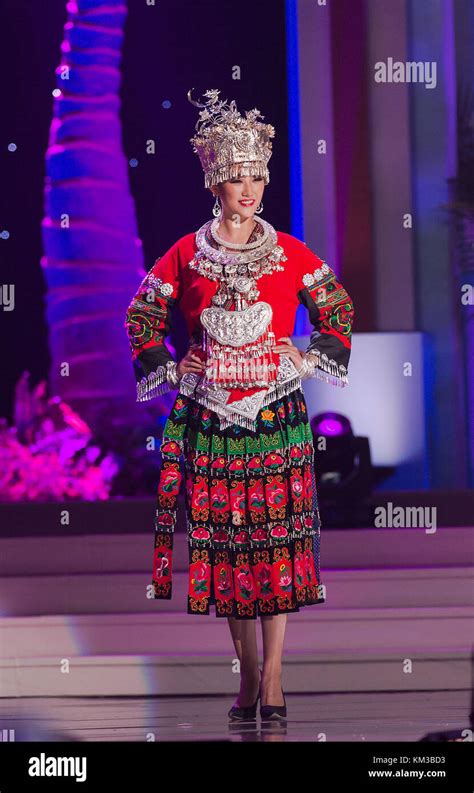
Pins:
x,y
331,313
148,323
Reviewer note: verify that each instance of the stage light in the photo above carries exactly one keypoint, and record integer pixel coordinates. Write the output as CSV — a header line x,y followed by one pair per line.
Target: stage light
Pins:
x,y
331,425
343,468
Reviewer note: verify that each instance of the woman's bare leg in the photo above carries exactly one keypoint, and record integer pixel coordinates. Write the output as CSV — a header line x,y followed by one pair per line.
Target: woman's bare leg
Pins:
x,y
244,636
273,636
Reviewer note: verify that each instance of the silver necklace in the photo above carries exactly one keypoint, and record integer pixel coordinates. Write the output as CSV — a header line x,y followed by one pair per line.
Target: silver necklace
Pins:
x,y
239,246
237,273
243,254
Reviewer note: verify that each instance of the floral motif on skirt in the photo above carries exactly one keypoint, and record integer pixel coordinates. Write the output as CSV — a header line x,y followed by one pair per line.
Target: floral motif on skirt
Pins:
x,y
253,523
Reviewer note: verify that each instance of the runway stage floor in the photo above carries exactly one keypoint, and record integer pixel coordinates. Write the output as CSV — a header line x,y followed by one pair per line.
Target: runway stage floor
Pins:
x,y
360,716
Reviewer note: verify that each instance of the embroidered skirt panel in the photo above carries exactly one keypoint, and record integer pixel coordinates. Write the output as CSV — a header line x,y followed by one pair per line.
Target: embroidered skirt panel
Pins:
x,y
253,523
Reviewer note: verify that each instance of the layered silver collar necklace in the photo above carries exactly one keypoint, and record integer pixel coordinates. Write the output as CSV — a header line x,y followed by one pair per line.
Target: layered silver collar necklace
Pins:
x,y
237,269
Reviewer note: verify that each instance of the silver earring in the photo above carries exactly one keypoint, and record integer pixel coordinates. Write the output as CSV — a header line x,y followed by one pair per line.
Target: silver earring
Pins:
x,y
259,209
216,209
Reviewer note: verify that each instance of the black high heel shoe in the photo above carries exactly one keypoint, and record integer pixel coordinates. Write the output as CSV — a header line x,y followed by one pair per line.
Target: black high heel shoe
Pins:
x,y
273,712
245,713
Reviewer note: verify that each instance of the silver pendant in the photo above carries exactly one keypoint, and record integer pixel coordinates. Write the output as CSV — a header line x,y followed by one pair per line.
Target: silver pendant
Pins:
x,y
243,284
237,328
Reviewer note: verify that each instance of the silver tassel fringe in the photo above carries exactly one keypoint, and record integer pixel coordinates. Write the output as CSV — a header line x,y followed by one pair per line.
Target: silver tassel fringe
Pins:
x,y
154,385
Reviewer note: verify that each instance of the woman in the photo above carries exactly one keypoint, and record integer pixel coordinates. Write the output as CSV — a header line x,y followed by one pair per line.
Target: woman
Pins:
x,y
240,420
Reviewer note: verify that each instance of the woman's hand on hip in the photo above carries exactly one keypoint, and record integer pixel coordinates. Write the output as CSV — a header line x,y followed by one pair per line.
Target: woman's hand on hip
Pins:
x,y
190,364
290,350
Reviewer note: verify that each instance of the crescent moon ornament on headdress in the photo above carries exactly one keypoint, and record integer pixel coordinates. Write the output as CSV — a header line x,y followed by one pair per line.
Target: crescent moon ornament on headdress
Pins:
x,y
193,101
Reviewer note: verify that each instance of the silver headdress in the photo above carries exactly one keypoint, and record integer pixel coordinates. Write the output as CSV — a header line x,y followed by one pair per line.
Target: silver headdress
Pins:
x,y
228,144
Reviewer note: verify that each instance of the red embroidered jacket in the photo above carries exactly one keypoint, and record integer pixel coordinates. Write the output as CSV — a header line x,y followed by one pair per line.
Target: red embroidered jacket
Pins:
x,y
305,279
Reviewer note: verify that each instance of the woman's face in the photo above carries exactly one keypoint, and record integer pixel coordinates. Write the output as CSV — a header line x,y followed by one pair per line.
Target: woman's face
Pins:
x,y
235,191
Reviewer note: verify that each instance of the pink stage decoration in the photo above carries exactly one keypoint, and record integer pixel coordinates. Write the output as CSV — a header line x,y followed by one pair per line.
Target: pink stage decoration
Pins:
x,y
49,454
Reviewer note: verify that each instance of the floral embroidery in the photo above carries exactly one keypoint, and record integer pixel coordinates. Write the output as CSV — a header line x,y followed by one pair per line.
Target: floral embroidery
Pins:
x,y
224,580
296,453
168,486
201,533
255,465
245,582
219,500
171,449
309,564
237,466
241,538
279,531
201,462
164,519
199,579
274,461
284,575
145,324
267,417
219,463
199,498
162,566
308,484
221,535
276,496
332,312
256,499
180,408
263,577
259,535
252,516
206,422
169,482
300,571
296,482
237,497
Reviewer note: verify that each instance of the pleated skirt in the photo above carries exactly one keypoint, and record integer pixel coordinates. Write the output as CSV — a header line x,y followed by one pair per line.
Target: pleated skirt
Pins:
x,y
253,523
